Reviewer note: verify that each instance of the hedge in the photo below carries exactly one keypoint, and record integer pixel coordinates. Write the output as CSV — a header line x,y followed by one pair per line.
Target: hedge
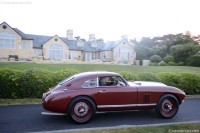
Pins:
x,y
188,82
30,83
33,83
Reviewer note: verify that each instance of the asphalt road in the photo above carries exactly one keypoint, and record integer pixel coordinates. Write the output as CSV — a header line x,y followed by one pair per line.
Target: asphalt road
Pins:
x,y
28,118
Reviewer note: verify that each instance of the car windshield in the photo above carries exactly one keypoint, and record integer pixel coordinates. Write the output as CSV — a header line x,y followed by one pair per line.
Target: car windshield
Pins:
x,y
66,80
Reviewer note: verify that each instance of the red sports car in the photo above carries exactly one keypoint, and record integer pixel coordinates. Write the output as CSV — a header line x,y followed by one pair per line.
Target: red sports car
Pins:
x,y
80,96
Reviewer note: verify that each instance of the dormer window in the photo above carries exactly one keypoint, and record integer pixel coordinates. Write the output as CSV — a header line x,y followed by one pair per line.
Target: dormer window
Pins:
x,y
94,44
80,43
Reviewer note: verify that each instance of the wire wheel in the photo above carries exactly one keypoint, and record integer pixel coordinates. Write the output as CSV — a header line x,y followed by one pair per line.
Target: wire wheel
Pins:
x,y
167,106
81,109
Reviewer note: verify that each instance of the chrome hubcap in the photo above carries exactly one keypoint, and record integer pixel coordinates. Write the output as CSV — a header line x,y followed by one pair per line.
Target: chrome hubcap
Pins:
x,y
167,105
81,109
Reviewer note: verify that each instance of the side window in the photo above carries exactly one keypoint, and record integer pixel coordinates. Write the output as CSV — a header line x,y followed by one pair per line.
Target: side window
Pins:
x,y
90,83
111,81
121,82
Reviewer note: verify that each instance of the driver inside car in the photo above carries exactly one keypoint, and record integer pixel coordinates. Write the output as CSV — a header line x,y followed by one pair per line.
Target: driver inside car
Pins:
x,y
103,81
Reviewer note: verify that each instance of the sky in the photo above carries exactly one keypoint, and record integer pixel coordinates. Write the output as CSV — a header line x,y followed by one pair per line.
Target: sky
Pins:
x,y
107,19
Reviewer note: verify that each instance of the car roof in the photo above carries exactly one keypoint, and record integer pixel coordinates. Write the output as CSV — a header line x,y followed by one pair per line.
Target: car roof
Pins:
x,y
96,73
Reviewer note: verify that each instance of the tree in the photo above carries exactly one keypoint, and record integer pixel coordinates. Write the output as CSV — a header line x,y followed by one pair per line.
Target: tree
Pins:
x,y
159,50
147,42
169,58
194,60
142,52
180,46
155,58
182,51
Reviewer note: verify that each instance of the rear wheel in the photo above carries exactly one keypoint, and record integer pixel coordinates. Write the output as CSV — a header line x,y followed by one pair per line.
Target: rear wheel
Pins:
x,y
81,109
167,106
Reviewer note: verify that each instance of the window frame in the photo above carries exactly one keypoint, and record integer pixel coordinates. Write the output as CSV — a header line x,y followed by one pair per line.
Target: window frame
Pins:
x,y
97,83
118,77
8,40
56,53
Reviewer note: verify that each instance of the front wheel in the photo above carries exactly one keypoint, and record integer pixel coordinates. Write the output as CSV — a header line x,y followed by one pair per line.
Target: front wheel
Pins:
x,y
167,106
81,109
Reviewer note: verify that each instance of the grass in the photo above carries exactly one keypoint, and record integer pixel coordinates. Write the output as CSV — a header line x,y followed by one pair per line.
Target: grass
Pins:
x,y
175,128
20,101
99,67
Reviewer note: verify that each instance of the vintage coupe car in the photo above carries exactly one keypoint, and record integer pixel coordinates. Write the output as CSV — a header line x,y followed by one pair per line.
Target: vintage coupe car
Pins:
x,y
82,95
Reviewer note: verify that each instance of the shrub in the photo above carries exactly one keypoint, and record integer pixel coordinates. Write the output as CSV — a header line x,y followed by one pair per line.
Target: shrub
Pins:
x,y
190,83
155,58
194,60
128,75
163,63
31,83
168,78
34,82
10,83
153,64
147,77
169,58
171,64
63,74
180,63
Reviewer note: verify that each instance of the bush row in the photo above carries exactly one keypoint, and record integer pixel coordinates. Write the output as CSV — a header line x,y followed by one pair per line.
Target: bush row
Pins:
x,y
30,83
188,82
34,82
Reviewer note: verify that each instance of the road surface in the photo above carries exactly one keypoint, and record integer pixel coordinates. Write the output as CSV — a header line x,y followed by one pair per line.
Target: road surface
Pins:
x,y
28,118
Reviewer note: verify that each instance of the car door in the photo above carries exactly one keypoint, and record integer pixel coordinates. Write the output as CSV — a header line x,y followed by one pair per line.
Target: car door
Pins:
x,y
117,96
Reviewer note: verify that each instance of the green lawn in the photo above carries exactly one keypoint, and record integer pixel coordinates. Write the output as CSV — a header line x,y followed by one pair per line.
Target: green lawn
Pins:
x,y
171,128
99,67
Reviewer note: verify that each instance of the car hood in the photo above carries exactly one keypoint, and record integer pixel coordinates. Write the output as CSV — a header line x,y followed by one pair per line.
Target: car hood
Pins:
x,y
145,83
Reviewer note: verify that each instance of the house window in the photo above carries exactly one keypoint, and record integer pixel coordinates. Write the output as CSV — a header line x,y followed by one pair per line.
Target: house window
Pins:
x,y
7,40
86,56
103,56
72,55
93,56
56,52
124,54
26,45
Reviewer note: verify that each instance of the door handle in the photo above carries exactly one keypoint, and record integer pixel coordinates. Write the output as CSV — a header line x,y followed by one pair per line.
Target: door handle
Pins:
x,y
102,91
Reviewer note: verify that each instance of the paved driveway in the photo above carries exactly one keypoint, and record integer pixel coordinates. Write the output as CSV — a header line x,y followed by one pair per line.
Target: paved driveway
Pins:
x,y
28,118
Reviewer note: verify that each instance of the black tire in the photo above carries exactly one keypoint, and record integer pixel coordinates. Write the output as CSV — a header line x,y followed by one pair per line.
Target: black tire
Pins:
x,y
167,106
81,109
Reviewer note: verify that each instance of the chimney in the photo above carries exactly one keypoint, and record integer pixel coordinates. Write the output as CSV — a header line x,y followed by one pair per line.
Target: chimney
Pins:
x,y
77,38
92,37
124,37
70,34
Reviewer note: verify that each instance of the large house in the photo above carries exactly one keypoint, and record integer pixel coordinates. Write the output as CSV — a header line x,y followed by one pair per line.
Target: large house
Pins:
x,y
15,43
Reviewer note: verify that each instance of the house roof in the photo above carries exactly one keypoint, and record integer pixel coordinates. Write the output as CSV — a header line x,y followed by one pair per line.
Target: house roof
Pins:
x,y
39,40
